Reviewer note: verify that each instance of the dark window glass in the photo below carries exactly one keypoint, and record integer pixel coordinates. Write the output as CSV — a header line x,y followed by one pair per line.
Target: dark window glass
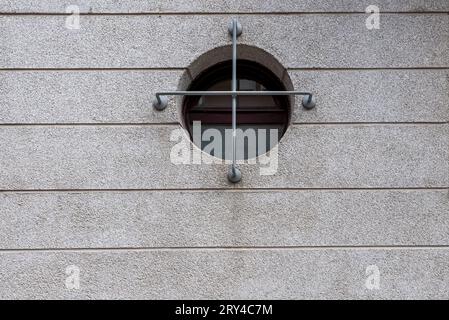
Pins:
x,y
262,120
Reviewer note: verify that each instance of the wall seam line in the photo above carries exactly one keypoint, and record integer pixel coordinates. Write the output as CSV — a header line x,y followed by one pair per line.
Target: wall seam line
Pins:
x,y
229,190
181,69
230,248
145,124
223,13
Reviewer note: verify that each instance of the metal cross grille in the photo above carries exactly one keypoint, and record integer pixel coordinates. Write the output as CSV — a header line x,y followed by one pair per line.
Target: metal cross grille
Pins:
x,y
235,30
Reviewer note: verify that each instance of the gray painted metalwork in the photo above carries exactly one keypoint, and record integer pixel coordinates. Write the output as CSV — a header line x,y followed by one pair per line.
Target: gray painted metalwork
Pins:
x,y
231,28
160,96
235,29
234,174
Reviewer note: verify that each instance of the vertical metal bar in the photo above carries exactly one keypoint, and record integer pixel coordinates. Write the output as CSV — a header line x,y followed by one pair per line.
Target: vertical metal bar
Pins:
x,y
234,89
234,175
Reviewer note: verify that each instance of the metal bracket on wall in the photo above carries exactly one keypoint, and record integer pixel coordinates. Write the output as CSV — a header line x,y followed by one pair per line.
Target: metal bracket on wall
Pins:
x,y
235,30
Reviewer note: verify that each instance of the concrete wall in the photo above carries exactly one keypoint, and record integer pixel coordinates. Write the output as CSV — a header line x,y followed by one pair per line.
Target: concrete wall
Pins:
x,y
86,177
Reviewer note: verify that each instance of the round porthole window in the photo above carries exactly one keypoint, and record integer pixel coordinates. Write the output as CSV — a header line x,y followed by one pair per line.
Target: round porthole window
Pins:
x,y
261,120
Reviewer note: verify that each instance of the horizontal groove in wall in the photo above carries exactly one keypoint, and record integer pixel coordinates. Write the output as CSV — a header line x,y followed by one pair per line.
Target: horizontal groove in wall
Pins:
x,y
144,124
182,69
246,248
369,123
368,69
221,13
231,189
93,124
96,69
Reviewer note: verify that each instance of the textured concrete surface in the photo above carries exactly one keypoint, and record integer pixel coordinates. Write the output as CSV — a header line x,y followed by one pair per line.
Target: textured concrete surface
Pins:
x,y
85,176
325,156
270,6
224,218
85,96
230,274
313,41
374,95
126,96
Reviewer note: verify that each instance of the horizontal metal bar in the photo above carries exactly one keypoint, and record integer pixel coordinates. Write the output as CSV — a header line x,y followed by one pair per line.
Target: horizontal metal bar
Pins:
x,y
161,100
232,93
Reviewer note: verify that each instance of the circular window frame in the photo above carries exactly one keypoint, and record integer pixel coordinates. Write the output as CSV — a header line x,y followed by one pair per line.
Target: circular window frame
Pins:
x,y
248,70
